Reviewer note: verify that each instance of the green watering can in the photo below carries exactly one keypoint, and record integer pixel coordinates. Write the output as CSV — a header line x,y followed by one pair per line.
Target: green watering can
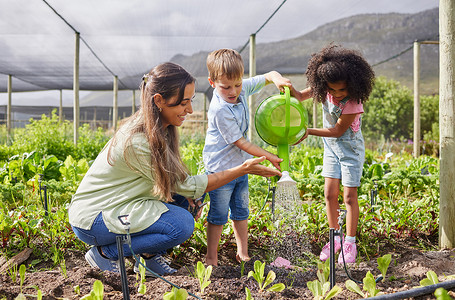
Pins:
x,y
281,120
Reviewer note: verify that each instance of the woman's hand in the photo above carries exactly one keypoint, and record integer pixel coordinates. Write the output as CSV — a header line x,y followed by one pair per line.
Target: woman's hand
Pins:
x,y
252,166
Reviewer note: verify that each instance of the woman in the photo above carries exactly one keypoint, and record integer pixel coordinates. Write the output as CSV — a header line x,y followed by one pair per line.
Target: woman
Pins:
x,y
137,174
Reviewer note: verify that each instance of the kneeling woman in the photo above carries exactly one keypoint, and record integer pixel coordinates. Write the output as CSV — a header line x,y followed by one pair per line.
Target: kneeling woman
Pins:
x,y
137,174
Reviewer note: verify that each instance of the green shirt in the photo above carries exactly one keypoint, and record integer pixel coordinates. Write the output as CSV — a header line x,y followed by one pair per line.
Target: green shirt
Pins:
x,y
122,189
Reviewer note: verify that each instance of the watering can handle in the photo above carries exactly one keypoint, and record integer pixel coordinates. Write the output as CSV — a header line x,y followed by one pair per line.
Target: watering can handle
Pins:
x,y
287,95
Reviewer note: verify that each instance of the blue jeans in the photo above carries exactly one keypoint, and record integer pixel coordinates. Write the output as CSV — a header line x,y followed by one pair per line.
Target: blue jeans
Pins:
x,y
231,197
173,228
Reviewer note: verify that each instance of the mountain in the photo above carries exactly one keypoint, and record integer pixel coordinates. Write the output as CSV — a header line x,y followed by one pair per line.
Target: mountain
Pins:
x,y
379,37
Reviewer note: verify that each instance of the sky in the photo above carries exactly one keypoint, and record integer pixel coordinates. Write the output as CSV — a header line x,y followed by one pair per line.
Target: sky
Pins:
x,y
128,35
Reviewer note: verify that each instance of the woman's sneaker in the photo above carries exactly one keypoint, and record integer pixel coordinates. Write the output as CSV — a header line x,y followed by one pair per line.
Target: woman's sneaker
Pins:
x,y
157,264
325,252
94,258
350,253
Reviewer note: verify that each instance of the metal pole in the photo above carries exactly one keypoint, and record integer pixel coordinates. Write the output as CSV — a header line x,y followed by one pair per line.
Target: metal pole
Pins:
x,y
115,104
447,123
121,260
60,108
416,151
205,113
252,69
76,90
8,109
315,113
332,257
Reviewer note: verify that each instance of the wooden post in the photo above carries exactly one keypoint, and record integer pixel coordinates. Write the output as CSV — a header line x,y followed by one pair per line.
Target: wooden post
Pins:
x,y
315,113
251,99
133,105
447,123
8,109
204,118
76,90
115,104
416,151
60,108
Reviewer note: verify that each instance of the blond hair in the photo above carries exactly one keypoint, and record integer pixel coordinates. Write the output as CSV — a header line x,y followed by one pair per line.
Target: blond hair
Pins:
x,y
226,62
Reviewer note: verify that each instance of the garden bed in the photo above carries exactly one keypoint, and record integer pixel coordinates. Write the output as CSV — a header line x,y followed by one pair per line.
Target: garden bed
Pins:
x,y
407,268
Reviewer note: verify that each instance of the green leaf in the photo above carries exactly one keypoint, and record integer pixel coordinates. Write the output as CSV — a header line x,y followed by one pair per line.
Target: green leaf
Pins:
x,y
353,287
315,287
333,292
142,289
270,278
98,290
248,294
383,264
369,285
431,279
278,287
176,294
442,294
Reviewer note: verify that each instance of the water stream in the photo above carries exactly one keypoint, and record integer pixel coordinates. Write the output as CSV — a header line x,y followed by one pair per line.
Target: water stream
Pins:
x,y
289,242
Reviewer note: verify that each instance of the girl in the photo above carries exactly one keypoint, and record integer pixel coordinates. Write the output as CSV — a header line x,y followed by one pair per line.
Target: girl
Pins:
x,y
139,172
342,80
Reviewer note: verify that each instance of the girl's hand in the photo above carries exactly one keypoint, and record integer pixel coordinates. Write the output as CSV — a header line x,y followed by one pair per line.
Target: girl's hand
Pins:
x,y
275,160
303,137
301,95
252,166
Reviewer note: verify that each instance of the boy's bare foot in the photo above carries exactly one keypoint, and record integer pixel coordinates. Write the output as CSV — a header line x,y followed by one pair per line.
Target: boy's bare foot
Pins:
x,y
240,259
211,262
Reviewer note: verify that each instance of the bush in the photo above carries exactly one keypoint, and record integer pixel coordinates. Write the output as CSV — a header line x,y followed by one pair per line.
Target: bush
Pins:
x,y
389,113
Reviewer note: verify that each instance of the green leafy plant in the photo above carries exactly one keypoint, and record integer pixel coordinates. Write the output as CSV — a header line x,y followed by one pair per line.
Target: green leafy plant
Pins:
x,y
321,291
323,271
12,272
383,264
442,294
176,294
258,275
431,279
353,287
63,268
369,285
21,296
242,268
96,293
203,275
248,294
142,288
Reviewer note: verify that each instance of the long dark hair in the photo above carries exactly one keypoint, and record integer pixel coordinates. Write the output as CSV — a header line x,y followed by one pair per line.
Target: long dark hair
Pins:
x,y
168,80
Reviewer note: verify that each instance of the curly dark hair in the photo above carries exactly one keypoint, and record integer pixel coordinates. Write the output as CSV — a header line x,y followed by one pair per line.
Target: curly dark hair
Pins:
x,y
335,63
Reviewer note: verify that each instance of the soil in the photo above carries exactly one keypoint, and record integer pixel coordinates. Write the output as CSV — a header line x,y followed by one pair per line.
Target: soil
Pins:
x,y
408,267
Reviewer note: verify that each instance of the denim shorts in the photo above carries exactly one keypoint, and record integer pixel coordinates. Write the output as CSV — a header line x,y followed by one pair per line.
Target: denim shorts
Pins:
x,y
232,196
343,158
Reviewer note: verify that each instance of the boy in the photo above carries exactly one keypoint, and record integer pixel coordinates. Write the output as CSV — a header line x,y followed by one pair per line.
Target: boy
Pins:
x,y
226,145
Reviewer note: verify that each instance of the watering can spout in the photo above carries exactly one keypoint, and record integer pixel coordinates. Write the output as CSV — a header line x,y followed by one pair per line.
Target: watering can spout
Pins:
x,y
286,179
